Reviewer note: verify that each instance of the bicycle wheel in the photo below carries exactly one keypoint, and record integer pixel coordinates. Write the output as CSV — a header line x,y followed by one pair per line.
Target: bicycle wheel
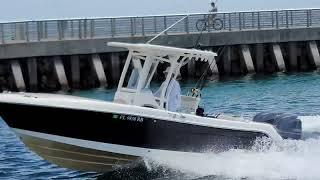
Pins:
x,y
201,25
217,24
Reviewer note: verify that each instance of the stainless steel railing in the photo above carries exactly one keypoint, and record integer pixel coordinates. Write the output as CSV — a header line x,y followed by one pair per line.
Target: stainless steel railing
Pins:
x,y
33,31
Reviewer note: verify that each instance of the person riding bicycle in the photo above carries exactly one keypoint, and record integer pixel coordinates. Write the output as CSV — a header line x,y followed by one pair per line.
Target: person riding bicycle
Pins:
x,y
214,10
210,20
214,7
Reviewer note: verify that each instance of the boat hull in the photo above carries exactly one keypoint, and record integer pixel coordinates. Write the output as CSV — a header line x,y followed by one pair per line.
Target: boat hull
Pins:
x,y
111,128
73,156
97,136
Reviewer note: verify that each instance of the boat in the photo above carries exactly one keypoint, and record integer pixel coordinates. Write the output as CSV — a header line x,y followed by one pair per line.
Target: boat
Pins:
x,y
94,135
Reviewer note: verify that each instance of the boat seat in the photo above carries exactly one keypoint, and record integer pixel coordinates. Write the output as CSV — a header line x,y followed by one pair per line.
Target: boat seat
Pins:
x,y
189,104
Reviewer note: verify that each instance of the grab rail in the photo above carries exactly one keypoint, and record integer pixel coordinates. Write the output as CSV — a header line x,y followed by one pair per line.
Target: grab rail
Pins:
x,y
77,29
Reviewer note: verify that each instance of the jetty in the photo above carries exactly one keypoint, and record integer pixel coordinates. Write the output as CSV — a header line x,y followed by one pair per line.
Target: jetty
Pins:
x,y
63,54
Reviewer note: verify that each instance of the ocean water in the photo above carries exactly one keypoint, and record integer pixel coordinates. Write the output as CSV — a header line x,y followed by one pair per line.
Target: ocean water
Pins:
x,y
245,97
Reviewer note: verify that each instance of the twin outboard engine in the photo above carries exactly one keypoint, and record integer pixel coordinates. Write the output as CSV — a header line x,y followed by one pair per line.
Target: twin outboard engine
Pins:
x,y
287,125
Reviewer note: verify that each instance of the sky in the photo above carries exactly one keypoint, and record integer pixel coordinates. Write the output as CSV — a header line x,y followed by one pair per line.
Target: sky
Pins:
x,y
16,10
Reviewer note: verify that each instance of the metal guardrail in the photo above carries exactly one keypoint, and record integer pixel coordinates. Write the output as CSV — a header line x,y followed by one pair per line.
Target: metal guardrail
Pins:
x,y
33,31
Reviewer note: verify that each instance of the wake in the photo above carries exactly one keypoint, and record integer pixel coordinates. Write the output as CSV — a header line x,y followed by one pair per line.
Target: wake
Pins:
x,y
290,159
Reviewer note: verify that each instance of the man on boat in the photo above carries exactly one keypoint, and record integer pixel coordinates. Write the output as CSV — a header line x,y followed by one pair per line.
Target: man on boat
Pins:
x,y
173,92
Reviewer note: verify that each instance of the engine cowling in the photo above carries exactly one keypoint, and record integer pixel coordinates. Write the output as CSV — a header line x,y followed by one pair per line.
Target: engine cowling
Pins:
x,y
287,125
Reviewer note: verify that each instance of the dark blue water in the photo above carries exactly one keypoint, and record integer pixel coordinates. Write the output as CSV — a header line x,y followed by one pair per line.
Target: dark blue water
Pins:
x,y
246,96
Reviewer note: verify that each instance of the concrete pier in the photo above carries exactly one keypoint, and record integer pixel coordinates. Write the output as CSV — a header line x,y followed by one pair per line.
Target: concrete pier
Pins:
x,y
259,57
226,59
60,73
293,56
192,68
313,53
90,71
116,66
246,57
17,75
32,74
199,69
214,68
278,57
83,60
98,68
75,71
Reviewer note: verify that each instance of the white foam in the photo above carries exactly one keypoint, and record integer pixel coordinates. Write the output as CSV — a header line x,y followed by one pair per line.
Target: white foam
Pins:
x,y
290,160
310,124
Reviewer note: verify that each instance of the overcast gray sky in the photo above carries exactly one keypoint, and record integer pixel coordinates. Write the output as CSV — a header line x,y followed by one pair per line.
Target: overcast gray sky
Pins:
x,y
51,9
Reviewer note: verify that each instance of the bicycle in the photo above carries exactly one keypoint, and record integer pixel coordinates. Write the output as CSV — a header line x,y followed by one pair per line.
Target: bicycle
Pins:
x,y
209,21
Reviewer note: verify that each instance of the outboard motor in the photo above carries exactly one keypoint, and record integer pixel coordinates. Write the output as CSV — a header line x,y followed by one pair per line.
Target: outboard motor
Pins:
x,y
287,125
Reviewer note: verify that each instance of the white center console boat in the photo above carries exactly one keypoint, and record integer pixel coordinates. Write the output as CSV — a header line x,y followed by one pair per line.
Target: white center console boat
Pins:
x,y
93,135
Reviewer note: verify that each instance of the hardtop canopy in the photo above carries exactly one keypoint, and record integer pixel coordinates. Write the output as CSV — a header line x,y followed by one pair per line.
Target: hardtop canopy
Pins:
x,y
141,65
157,50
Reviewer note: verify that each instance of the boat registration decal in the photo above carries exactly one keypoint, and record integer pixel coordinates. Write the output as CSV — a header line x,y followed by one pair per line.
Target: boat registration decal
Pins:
x,y
128,118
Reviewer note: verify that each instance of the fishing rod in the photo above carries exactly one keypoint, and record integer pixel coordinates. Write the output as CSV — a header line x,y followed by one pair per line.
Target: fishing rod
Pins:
x,y
196,91
203,78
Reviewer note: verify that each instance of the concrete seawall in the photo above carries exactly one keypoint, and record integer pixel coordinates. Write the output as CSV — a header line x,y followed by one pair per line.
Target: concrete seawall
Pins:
x,y
51,73
63,64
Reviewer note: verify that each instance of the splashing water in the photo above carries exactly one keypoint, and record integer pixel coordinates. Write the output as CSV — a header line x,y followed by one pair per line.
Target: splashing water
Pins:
x,y
295,93
310,126
290,159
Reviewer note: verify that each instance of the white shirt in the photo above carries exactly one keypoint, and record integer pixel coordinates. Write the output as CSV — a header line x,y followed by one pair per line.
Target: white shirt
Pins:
x,y
173,95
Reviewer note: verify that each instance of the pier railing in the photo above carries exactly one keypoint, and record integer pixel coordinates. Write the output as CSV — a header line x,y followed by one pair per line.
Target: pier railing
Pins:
x,y
67,29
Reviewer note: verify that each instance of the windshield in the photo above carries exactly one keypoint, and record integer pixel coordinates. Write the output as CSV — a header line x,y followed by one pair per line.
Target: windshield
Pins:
x,y
140,73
